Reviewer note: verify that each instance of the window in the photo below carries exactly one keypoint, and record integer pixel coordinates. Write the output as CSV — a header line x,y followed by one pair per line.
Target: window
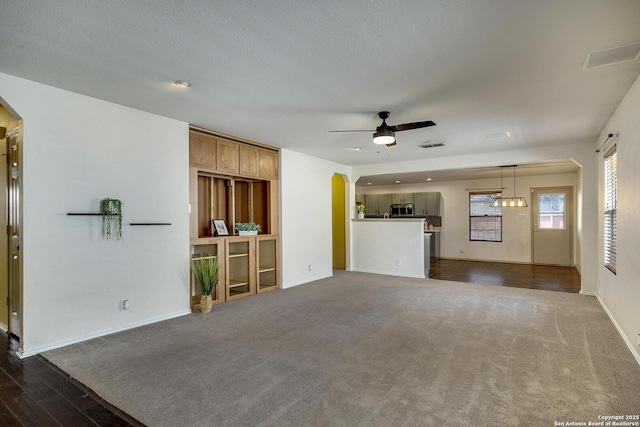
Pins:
x,y
551,211
610,208
485,222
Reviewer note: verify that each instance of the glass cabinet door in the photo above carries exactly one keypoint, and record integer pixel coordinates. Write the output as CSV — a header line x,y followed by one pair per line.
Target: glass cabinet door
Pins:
x,y
207,251
267,263
239,272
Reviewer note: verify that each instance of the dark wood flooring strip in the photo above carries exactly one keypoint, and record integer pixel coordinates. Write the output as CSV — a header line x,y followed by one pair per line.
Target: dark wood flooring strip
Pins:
x,y
33,392
543,277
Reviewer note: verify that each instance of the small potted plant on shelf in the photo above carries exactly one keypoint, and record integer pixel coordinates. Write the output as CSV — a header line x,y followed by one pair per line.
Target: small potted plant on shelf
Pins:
x,y
360,209
247,228
111,210
205,272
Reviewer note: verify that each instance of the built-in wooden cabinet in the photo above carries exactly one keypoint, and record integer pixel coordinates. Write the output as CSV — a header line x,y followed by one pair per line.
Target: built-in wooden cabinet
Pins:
x,y
206,249
247,265
268,164
240,267
267,262
227,161
212,153
202,150
249,161
236,181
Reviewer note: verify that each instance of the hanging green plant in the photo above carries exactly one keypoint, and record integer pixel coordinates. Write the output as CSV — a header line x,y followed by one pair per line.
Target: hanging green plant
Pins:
x,y
111,210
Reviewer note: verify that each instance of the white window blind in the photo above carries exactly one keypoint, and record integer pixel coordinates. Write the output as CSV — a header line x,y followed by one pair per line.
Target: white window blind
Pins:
x,y
485,222
610,208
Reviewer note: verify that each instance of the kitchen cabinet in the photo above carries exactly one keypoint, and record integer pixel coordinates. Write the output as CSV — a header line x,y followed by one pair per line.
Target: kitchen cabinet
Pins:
x,y
433,204
402,198
426,204
377,204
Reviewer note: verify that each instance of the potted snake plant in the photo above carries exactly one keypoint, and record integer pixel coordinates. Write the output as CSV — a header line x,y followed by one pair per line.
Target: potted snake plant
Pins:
x,y
205,272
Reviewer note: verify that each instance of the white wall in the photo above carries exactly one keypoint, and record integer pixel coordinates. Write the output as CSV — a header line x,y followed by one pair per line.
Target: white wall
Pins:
x,y
305,194
454,210
620,293
394,247
77,151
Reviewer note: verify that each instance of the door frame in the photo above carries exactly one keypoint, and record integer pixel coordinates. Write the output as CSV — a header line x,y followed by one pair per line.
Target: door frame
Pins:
x,y
570,210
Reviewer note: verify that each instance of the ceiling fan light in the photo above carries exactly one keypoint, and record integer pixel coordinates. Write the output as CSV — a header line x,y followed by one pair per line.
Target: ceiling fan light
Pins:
x,y
384,137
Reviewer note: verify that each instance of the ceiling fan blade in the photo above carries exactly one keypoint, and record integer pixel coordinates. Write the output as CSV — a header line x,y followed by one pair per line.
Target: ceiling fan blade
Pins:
x,y
415,125
358,130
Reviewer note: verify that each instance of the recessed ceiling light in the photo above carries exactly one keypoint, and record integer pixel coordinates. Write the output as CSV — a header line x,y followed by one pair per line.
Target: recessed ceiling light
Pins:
x,y
428,179
397,182
497,135
355,148
368,183
183,83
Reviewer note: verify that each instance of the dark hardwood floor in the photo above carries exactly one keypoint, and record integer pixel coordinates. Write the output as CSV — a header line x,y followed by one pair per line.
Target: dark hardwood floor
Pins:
x,y
33,392
544,277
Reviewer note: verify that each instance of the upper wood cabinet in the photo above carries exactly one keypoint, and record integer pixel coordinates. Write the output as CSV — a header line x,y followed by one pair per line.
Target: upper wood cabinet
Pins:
x,y
249,163
268,164
213,153
227,157
202,150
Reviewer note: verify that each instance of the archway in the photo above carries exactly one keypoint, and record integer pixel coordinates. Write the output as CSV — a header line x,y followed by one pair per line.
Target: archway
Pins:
x,y
338,221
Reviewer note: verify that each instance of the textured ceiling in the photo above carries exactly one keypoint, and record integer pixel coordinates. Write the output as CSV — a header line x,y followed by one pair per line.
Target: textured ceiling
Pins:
x,y
285,72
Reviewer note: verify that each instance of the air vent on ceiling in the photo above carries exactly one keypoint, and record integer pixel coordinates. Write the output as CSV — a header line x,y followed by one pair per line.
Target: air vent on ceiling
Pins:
x,y
612,55
499,135
437,144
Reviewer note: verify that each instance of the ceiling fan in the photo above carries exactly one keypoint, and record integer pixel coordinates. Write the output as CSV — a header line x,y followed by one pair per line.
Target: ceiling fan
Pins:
x,y
385,134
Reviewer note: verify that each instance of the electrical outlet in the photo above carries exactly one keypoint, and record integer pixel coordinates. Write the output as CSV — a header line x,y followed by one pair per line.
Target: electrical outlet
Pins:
x,y
397,263
125,304
310,267
461,251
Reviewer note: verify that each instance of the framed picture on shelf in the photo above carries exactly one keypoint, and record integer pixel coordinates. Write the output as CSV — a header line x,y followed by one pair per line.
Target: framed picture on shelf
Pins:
x,y
219,227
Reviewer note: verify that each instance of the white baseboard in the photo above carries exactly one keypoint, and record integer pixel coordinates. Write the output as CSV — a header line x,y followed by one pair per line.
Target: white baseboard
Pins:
x,y
620,331
33,351
390,273
311,279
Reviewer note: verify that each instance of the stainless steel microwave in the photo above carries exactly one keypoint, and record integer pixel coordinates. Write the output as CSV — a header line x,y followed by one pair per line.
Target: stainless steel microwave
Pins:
x,y
402,209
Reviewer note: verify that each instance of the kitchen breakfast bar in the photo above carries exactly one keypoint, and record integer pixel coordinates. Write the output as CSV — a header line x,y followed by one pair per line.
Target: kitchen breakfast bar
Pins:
x,y
397,246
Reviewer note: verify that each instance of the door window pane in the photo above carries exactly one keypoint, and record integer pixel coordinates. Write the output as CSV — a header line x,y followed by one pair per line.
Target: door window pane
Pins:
x,y
551,211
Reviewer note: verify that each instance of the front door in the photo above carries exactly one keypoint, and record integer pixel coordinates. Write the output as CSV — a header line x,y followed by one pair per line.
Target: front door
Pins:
x,y
552,226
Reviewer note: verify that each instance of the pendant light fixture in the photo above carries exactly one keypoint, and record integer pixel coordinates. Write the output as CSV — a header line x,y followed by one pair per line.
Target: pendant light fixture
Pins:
x,y
509,202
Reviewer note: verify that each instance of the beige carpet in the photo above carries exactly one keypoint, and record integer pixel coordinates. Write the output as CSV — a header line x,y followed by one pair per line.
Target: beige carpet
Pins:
x,y
368,350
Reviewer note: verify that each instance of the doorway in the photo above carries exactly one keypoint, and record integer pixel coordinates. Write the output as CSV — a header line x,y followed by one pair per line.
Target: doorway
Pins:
x,y
552,226
10,221
338,221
